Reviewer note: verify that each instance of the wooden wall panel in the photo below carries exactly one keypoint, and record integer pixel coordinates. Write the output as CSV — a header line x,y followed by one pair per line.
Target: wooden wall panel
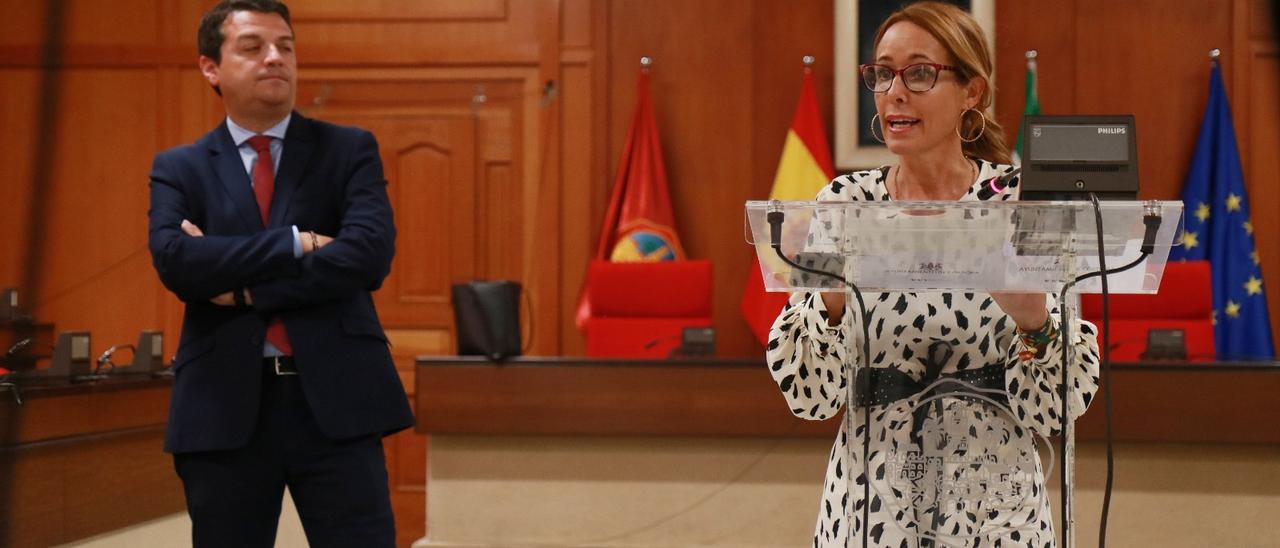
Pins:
x,y
583,185
432,181
116,22
418,277
400,10
18,117
782,34
512,38
576,22
1018,30
22,24
1158,71
1256,109
499,194
97,272
87,22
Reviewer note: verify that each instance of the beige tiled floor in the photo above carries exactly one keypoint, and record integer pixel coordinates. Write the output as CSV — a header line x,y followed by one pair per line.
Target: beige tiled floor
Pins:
x,y
175,530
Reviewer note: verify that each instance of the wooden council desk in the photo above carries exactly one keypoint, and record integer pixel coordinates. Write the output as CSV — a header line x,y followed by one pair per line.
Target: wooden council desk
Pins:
x,y
1229,402
77,460
579,451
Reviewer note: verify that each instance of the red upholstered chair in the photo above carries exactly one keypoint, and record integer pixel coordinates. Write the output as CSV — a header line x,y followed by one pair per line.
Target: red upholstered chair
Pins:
x,y
1185,301
639,310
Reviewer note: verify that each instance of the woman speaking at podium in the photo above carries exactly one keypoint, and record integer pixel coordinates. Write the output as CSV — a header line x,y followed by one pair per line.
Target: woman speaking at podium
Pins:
x,y
931,78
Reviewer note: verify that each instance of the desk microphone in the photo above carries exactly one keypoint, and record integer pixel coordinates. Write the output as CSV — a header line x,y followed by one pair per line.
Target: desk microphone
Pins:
x,y
997,185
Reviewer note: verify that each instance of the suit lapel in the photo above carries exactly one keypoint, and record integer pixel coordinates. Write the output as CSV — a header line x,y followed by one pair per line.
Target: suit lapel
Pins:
x,y
298,146
235,180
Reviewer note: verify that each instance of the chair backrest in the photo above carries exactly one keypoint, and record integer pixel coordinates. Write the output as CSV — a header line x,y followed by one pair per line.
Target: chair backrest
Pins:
x,y
1184,301
1186,293
664,289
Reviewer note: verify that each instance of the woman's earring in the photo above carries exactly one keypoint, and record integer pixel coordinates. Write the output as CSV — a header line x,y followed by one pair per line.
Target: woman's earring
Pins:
x,y
980,131
875,123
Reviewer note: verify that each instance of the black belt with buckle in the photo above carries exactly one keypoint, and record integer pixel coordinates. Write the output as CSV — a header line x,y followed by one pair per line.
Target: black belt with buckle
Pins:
x,y
884,386
280,365
887,386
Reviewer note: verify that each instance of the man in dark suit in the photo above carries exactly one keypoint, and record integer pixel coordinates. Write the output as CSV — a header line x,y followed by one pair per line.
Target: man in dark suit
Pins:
x,y
282,374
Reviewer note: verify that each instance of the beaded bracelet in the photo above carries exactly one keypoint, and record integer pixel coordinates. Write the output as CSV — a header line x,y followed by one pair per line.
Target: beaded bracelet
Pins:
x,y
1037,341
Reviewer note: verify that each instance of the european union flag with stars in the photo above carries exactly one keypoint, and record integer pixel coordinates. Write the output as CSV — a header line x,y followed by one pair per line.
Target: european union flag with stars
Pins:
x,y
1218,229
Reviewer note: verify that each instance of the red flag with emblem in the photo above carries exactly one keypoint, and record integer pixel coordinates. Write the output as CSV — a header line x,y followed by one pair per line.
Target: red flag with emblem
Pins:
x,y
640,203
639,224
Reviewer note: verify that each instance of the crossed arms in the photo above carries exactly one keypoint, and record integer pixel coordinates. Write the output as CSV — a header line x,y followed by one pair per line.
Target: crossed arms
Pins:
x,y
199,267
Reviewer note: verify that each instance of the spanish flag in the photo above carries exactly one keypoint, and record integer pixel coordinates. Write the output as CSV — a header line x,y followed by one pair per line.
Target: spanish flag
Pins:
x,y
639,224
804,169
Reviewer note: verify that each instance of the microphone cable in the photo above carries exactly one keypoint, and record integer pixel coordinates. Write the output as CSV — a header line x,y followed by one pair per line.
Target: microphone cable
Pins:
x,y
1151,220
775,219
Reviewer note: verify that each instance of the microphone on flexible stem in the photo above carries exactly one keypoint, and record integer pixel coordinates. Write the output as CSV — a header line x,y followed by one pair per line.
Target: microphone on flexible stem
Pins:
x,y
654,342
775,228
5,373
997,185
17,348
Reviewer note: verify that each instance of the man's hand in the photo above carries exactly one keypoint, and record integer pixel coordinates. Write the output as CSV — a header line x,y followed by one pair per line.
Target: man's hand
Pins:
x,y
229,298
310,242
191,229
225,299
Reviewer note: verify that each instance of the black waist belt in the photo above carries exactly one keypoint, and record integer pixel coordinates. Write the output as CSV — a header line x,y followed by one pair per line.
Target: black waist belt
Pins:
x,y
883,386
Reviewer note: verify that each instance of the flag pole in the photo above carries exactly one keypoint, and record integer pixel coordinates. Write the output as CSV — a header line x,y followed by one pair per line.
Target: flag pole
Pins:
x,y
1031,106
645,63
1214,54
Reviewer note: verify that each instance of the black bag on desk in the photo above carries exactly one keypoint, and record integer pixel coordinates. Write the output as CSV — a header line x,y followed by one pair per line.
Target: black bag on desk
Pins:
x,y
487,318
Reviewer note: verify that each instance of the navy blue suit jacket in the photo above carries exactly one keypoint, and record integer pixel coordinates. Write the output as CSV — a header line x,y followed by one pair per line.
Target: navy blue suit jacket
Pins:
x,y
330,180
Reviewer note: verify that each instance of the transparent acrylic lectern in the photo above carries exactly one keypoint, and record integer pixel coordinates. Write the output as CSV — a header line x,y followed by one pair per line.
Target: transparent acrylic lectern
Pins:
x,y
950,449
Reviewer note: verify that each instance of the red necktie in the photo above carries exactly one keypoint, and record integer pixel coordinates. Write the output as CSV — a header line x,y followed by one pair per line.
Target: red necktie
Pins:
x,y
264,185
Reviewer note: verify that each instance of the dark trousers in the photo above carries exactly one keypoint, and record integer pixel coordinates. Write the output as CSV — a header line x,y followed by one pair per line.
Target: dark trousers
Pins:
x,y
339,487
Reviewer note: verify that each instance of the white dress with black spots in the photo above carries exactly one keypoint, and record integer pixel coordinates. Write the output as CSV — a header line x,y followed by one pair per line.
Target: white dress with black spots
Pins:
x,y
806,357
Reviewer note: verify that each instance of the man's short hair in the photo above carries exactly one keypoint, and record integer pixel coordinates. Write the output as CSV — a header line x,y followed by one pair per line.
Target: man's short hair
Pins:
x,y
209,38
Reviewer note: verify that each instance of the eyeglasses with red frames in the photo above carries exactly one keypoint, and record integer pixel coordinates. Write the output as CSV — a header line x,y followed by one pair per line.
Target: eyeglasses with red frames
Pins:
x,y
918,77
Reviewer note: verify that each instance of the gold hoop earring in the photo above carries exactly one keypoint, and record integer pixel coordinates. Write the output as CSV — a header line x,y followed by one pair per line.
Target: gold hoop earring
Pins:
x,y
980,131
875,122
